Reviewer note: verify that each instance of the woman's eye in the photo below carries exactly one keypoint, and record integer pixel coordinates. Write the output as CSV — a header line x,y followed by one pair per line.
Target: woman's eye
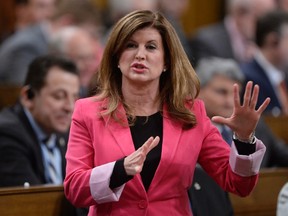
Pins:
x,y
131,45
151,47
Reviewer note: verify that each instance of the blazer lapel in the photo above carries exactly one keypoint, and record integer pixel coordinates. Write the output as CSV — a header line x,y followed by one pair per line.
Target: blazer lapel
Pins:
x,y
171,134
123,138
121,133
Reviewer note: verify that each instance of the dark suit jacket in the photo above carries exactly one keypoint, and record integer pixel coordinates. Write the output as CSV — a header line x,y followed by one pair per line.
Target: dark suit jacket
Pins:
x,y
17,51
254,72
212,40
206,196
20,153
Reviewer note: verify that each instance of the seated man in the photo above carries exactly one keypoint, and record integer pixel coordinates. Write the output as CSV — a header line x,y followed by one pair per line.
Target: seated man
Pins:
x,y
33,132
217,76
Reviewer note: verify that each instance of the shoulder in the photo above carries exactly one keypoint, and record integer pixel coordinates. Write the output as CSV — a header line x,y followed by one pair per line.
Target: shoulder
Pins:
x,y
211,30
7,116
88,106
89,102
198,106
30,37
12,124
252,68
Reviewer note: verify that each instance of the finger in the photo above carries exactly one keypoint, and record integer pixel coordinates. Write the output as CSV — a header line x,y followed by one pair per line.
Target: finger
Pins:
x,y
254,98
236,95
263,105
145,147
150,144
154,143
138,168
247,94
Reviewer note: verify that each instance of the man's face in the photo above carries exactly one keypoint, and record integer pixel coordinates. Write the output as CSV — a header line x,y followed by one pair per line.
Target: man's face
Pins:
x,y
52,106
218,96
82,49
41,9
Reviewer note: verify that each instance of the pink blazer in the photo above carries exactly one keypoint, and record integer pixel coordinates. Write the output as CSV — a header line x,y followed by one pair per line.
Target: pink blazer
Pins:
x,y
96,142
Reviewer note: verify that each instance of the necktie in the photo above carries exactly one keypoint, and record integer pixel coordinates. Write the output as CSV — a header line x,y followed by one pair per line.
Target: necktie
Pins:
x,y
54,176
226,134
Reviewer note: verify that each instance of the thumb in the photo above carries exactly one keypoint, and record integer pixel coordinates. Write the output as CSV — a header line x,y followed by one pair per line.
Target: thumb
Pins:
x,y
219,119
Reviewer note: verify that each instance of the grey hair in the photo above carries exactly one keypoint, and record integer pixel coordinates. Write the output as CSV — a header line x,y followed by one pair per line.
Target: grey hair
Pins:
x,y
59,41
232,4
207,68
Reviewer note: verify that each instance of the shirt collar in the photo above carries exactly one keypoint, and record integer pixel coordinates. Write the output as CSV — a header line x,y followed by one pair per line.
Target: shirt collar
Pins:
x,y
275,76
39,132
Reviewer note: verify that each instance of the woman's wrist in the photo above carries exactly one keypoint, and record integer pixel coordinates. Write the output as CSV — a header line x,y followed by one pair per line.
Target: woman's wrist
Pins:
x,y
251,139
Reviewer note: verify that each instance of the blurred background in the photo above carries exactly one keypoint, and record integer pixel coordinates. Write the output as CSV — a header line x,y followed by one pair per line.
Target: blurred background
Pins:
x,y
197,14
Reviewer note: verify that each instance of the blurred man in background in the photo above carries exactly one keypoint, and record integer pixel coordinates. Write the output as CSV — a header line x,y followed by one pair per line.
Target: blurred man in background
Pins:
x,y
33,132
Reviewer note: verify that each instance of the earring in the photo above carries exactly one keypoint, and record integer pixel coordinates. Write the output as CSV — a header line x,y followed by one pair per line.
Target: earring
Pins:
x,y
118,66
164,69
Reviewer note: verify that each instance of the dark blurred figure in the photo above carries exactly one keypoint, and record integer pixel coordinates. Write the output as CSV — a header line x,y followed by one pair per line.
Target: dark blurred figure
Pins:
x,y
231,38
174,10
29,12
21,48
268,65
79,45
18,14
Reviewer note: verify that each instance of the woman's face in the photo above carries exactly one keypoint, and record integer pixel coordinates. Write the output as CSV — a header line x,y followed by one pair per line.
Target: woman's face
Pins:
x,y
142,61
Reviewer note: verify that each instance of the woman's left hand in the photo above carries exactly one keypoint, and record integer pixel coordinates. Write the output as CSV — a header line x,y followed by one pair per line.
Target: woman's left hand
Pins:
x,y
245,117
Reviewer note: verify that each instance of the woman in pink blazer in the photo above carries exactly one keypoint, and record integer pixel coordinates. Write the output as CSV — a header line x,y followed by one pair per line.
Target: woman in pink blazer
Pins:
x,y
133,147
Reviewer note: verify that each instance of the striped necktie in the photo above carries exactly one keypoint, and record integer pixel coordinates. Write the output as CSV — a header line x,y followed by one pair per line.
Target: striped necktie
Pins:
x,y
54,177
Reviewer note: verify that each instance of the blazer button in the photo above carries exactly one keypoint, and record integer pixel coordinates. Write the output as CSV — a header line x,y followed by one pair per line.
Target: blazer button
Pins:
x,y
142,204
197,186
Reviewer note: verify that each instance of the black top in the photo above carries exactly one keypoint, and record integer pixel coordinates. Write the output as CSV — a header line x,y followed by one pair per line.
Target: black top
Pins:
x,y
144,128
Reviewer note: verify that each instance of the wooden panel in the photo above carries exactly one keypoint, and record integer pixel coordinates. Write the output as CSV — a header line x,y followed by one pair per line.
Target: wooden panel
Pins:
x,y
198,14
263,199
202,13
279,125
35,201
7,18
8,95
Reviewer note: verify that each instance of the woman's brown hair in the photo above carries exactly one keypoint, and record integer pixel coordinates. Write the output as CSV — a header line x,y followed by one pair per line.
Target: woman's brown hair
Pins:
x,y
179,85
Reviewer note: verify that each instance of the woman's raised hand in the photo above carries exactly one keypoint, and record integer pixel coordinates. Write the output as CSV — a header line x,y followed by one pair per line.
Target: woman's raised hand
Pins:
x,y
133,163
245,117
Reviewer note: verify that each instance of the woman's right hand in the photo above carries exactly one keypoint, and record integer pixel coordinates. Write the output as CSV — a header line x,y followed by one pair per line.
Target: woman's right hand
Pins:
x,y
133,163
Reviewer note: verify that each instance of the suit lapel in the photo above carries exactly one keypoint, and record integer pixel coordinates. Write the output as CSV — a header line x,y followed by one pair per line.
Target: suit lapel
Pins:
x,y
19,110
123,138
120,132
171,135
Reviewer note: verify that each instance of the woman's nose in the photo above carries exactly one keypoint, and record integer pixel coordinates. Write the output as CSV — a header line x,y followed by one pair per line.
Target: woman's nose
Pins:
x,y
140,55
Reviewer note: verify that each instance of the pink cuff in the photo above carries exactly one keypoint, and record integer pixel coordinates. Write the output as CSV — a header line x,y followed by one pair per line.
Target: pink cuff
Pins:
x,y
99,184
247,165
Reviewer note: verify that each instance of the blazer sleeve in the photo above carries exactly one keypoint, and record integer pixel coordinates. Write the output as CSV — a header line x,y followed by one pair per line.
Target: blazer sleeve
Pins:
x,y
86,184
233,172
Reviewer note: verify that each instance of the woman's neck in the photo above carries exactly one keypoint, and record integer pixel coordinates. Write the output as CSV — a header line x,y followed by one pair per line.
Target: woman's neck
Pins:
x,y
142,102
